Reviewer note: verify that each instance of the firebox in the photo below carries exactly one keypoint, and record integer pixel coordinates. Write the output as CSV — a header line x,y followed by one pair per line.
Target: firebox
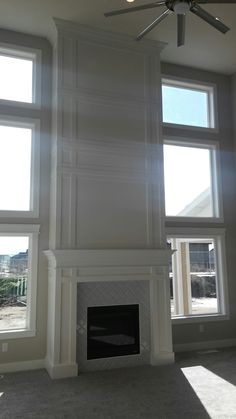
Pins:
x,y
112,331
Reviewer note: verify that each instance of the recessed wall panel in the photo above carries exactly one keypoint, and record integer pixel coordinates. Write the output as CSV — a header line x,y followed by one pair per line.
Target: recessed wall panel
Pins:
x,y
110,70
111,214
97,119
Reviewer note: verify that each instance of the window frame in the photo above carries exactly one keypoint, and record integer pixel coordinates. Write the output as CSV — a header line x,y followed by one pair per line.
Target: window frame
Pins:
x,y
190,84
16,51
31,231
34,125
213,147
218,235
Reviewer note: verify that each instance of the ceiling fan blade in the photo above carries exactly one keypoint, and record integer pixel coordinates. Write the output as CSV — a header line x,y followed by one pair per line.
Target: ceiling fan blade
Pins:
x,y
180,29
135,9
166,13
216,1
212,20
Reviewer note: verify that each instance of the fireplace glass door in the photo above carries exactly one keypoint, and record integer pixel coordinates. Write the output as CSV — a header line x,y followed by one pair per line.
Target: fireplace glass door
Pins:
x,y
112,331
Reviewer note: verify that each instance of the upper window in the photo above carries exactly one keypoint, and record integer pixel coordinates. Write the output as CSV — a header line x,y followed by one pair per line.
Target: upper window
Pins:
x,y
19,75
188,104
19,167
190,181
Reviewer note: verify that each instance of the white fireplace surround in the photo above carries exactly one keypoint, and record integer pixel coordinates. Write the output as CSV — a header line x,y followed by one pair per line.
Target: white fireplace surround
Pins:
x,y
67,268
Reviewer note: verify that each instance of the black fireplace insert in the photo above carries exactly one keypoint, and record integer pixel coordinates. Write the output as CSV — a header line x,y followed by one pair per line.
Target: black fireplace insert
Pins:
x,y
112,331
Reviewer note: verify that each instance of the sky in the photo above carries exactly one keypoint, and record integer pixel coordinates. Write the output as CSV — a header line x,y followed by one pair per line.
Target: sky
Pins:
x,y
185,106
13,245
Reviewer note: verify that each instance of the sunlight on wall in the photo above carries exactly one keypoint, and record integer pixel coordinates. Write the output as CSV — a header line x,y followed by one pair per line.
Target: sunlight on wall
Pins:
x,y
217,395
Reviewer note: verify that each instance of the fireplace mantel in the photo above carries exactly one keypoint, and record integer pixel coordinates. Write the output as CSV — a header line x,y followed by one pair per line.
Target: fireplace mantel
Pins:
x,y
108,257
110,264
68,267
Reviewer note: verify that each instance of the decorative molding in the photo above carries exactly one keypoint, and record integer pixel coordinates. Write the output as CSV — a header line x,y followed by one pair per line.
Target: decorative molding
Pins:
x,y
109,257
211,344
35,364
107,187
111,39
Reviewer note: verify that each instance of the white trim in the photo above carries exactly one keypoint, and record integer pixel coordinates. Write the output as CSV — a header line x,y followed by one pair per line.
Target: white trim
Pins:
x,y
195,232
108,258
61,370
35,364
196,85
108,38
34,125
204,318
212,344
33,54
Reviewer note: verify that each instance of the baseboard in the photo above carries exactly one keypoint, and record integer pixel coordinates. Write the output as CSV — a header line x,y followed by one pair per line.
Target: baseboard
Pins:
x,y
35,364
163,359
211,344
61,370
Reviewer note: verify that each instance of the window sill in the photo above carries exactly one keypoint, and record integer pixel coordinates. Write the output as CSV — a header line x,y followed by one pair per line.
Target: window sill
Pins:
x,y
199,319
17,334
192,128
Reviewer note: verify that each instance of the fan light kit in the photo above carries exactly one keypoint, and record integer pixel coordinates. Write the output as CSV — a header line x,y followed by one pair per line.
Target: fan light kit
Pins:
x,y
180,8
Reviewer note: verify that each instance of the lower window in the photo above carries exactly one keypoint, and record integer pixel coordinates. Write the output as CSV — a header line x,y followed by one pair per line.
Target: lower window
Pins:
x,y
197,275
18,279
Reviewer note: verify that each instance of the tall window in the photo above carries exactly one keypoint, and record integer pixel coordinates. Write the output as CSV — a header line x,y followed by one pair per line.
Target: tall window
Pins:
x,y
197,270
19,186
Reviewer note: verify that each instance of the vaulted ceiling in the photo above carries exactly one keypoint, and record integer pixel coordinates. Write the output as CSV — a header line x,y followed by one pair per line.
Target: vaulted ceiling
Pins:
x,y
205,47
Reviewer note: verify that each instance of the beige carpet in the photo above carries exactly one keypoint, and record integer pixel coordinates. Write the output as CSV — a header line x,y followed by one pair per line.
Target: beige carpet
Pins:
x,y
200,385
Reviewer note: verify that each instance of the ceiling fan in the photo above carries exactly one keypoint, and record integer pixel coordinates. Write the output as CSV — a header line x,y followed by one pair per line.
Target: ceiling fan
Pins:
x,y
179,7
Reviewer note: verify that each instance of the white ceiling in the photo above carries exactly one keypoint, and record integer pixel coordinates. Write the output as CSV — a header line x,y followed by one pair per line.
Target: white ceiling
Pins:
x,y
205,47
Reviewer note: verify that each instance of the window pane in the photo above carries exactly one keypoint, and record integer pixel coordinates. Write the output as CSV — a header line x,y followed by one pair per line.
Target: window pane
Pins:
x,y
13,282
193,277
188,191
203,278
16,79
15,168
185,106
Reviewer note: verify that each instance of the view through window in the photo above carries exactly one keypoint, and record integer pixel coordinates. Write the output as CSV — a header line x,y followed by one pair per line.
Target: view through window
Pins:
x,y
188,181
193,277
187,104
13,282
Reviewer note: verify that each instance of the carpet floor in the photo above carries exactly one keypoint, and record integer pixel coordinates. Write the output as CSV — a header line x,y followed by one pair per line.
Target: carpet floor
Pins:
x,y
199,385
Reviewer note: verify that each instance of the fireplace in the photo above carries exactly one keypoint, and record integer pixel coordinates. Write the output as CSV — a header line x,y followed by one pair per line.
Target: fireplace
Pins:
x,y
112,331
80,280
